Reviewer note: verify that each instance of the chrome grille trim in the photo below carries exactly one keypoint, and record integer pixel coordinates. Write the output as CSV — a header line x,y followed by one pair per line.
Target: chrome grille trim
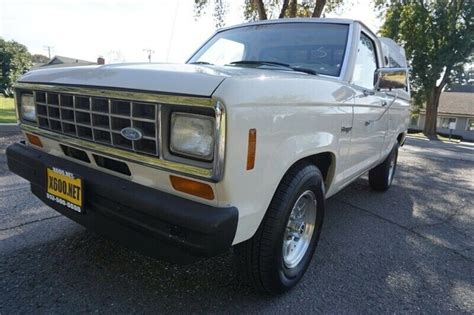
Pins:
x,y
213,173
100,119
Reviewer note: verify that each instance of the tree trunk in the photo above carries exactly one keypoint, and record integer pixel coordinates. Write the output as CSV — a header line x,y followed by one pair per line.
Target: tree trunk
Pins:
x,y
284,7
432,112
293,8
262,14
318,9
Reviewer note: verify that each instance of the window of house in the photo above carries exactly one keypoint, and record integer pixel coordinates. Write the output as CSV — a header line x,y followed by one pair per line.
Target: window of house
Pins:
x,y
470,124
443,122
366,63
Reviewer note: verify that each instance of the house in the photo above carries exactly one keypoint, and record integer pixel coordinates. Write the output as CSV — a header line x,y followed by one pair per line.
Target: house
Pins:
x,y
456,108
66,61
61,61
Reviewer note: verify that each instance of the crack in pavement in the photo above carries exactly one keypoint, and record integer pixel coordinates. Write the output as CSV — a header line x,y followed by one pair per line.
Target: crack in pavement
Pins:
x,y
443,221
459,253
30,222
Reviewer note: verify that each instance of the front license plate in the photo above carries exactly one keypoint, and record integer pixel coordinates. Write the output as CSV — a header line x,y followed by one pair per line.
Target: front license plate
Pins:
x,y
64,188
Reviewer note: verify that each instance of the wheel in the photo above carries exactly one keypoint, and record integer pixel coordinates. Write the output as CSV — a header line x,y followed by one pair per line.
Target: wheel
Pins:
x,y
277,256
381,176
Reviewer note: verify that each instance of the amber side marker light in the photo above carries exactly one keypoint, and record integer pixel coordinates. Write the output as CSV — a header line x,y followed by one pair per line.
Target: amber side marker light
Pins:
x,y
252,148
192,187
35,140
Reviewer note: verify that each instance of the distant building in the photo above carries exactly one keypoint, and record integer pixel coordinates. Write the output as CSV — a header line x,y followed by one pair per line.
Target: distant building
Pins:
x,y
61,61
66,61
454,107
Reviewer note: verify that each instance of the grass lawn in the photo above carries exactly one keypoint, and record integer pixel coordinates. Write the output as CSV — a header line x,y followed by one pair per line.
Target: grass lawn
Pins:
x,y
7,110
442,138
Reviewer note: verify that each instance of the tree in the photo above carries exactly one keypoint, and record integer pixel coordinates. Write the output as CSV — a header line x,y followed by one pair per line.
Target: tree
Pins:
x,y
460,81
38,58
255,10
438,38
15,60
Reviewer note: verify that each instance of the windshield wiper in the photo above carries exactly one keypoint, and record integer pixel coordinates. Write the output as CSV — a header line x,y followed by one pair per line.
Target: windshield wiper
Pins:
x,y
273,63
200,63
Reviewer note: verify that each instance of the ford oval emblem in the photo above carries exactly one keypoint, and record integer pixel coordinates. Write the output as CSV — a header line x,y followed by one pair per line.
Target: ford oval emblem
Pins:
x,y
131,133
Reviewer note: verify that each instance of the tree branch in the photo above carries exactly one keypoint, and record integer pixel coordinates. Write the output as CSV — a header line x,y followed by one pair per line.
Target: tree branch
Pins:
x,y
262,14
283,9
445,78
318,9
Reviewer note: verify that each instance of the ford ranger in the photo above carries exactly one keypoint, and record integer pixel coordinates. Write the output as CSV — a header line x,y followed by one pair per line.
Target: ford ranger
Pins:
x,y
238,148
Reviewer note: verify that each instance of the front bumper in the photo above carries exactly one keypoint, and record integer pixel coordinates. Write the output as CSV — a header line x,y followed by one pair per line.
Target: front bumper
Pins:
x,y
152,222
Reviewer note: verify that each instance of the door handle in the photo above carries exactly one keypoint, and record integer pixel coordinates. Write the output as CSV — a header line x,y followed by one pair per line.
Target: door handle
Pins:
x,y
346,129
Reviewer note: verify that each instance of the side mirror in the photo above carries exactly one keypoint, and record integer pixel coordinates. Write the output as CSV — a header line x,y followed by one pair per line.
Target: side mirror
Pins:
x,y
391,78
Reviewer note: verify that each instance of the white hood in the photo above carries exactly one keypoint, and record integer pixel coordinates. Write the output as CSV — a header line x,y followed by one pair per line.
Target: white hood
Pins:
x,y
165,78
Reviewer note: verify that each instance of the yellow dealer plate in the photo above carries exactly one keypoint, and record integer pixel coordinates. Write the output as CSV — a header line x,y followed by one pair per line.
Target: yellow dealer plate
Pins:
x,y
64,188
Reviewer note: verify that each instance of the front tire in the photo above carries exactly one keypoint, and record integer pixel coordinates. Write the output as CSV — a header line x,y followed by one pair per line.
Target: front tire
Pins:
x,y
279,253
381,176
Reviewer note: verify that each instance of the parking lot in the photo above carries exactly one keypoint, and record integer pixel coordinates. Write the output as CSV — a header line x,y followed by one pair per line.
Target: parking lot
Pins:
x,y
410,249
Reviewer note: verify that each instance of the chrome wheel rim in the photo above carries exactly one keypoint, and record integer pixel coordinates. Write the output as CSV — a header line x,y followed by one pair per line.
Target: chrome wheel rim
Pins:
x,y
391,170
299,229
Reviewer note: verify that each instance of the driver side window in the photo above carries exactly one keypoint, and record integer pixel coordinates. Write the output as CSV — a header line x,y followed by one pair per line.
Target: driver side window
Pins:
x,y
366,63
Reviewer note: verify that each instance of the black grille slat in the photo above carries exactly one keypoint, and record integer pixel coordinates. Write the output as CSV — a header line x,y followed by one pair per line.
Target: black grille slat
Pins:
x,y
83,118
120,108
100,119
100,105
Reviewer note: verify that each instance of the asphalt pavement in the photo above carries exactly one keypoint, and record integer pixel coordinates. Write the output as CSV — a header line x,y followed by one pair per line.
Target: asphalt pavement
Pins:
x,y
409,250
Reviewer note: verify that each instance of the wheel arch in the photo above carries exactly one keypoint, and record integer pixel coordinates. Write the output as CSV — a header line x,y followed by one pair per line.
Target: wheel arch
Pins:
x,y
401,138
324,161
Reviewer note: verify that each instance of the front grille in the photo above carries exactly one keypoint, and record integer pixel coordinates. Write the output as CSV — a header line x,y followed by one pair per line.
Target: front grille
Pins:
x,y
100,120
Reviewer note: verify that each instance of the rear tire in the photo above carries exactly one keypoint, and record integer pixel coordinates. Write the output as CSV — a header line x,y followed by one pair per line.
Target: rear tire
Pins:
x,y
381,176
279,253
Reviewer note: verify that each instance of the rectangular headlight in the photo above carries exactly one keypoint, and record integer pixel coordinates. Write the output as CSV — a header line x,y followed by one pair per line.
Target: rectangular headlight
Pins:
x,y
192,135
27,107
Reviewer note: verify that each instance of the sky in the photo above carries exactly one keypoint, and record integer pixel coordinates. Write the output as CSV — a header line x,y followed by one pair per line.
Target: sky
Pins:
x,y
120,30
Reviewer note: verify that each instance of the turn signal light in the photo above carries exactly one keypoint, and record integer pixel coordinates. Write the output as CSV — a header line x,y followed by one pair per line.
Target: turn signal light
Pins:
x,y
192,187
252,148
35,140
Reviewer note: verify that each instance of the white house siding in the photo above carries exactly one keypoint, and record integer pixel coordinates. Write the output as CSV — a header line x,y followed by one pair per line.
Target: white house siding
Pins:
x,y
461,125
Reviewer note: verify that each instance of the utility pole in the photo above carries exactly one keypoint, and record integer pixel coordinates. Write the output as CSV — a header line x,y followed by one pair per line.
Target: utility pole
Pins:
x,y
149,53
48,48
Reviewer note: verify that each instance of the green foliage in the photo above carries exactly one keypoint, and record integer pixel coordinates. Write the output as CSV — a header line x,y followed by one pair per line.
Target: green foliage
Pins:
x,y
438,38
38,58
15,61
272,8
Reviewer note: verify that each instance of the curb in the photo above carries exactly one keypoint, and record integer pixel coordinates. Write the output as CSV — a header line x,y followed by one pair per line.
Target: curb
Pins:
x,y
9,127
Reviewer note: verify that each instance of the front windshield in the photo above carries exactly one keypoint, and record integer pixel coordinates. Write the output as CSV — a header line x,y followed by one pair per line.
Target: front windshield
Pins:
x,y
316,46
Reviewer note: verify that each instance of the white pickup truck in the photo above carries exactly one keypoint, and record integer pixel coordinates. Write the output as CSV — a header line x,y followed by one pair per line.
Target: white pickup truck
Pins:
x,y
239,147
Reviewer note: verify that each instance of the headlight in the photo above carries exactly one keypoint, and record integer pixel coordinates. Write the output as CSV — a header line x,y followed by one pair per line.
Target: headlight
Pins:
x,y
192,135
27,107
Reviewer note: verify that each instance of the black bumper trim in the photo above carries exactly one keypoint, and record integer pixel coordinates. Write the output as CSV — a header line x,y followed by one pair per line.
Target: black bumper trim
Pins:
x,y
152,222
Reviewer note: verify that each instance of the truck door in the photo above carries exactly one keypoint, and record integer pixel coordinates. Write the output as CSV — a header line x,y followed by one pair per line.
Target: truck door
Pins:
x,y
369,124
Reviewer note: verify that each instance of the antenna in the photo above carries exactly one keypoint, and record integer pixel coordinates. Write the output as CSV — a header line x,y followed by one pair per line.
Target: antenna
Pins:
x,y
172,31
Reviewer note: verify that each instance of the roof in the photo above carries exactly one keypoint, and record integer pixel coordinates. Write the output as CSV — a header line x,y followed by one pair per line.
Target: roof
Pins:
x,y
456,103
61,60
295,20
